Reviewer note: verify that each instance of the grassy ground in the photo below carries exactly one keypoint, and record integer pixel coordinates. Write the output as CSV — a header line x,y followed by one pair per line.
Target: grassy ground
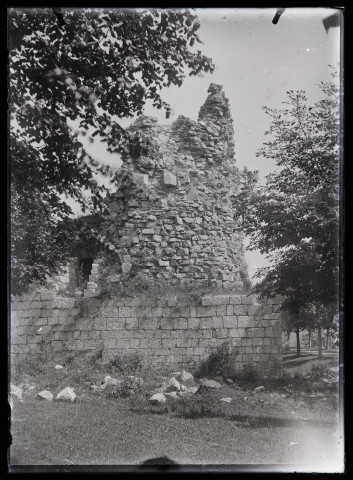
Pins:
x,y
294,422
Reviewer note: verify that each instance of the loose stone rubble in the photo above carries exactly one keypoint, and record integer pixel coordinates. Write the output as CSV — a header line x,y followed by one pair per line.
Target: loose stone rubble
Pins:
x,y
67,394
16,391
45,395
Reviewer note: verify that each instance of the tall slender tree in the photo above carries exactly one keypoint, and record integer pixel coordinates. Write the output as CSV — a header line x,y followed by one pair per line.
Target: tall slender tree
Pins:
x,y
294,218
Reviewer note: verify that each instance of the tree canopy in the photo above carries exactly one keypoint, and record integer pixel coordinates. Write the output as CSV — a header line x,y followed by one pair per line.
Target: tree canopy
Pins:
x,y
99,66
294,218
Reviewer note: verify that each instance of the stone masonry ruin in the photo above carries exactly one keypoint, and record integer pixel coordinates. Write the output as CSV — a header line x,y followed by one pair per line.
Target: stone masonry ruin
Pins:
x,y
172,218
172,222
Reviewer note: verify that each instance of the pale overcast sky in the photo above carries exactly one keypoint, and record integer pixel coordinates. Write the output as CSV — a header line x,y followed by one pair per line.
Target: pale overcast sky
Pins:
x,y
256,62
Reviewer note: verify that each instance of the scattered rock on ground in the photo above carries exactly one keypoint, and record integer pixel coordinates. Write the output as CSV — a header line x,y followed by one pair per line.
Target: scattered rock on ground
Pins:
x,y
171,385
229,381
209,385
259,389
107,379
58,367
173,395
66,394
192,390
158,399
185,376
17,391
45,395
226,399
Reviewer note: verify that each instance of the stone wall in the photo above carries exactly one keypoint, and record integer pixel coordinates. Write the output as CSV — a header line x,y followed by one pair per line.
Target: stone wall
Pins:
x,y
164,331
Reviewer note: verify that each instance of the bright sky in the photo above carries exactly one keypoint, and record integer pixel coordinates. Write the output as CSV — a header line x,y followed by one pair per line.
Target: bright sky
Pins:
x,y
256,62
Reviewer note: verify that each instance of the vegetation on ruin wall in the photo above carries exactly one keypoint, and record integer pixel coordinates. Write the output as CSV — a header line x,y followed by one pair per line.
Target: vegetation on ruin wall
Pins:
x,y
112,59
137,282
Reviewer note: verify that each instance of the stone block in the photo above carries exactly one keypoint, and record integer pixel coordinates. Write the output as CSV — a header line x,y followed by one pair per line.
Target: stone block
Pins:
x,y
206,301
267,309
194,323
201,311
167,323
220,333
131,323
205,323
247,300
19,340
237,332
94,334
148,323
180,323
256,332
217,322
172,301
235,300
193,312
157,311
230,322
187,342
222,309
206,333
89,293
57,346
169,179
246,321
240,310
124,312
46,295
39,321
115,323
255,309
36,349
43,330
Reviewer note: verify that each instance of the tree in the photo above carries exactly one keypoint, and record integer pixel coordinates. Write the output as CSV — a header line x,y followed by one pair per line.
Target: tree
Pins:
x,y
100,66
294,217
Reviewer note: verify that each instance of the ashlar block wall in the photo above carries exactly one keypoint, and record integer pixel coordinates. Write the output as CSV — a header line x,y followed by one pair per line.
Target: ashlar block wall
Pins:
x,y
164,331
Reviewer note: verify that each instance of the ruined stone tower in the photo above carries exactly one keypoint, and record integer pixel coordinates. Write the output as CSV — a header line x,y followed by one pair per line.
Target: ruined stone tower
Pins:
x,y
171,218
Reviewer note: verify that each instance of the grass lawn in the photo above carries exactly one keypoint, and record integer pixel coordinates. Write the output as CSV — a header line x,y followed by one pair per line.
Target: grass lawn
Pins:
x,y
296,431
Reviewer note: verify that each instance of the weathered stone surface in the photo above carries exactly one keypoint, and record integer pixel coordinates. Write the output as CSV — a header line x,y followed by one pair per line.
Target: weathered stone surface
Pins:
x,y
45,395
67,394
169,179
171,385
158,399
185,377
259,389
16,391
172,395
209,385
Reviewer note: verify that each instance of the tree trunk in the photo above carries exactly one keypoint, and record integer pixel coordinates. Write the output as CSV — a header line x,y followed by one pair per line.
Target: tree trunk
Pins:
x,y
327,337
309,331
319,342
298,342
288,335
